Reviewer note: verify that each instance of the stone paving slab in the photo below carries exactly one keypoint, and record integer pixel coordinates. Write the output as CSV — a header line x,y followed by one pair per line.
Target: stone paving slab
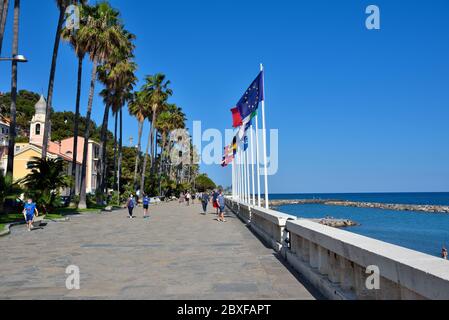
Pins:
x,y
176,254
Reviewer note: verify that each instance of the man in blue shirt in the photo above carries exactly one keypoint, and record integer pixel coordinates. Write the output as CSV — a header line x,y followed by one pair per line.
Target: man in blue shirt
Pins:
x,y
146,204
29,212
221,206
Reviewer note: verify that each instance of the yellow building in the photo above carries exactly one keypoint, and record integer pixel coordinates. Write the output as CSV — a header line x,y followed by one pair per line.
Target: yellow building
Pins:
x,y
25,152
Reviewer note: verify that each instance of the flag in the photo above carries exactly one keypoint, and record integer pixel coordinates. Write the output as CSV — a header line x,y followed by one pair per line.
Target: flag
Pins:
x,y
236,118
249,103
245,143
234,146
228,156
243,129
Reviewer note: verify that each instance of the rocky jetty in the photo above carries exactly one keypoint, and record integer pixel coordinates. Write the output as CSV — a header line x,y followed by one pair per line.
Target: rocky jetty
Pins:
x,y
373,205
336,223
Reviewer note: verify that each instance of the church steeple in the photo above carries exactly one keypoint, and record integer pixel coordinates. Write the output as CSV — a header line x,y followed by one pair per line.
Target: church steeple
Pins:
x,y
38,122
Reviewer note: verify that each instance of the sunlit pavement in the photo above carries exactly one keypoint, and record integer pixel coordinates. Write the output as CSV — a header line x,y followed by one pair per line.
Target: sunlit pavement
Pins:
x,y
176,254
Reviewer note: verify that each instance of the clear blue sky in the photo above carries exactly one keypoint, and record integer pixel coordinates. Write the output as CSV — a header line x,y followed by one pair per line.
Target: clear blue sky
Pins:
x,y
357,110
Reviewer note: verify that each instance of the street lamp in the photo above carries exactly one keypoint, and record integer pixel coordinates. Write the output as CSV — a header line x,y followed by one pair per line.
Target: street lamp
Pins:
x,y
17,58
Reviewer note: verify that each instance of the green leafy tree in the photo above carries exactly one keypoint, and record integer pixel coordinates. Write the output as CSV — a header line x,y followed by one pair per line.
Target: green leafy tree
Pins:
x,y
102,34
45,181
9,190
204,183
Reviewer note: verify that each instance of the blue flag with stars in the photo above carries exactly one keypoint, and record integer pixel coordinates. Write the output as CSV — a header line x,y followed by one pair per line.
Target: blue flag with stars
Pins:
x,y
249,103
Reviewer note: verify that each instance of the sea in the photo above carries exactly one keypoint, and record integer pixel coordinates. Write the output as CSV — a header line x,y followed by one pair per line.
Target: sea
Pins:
x,y
424,232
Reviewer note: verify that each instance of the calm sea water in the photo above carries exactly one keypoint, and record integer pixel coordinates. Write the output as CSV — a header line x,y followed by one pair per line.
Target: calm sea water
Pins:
x,y
419,231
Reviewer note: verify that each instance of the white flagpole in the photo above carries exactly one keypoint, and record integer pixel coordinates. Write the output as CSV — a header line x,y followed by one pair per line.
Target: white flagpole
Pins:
x,y
252,168
264,141
258,161
247,176
232,180
238,174
244,178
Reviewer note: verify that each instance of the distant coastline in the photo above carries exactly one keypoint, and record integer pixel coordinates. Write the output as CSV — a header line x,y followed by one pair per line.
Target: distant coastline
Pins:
x,y
374,205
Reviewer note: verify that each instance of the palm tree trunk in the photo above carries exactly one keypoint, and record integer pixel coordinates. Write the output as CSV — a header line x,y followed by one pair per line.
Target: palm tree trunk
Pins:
x,y
12,129
52,79
3,15
145,161
115,151
161,162
139,146
153,127
103,145
119,175
83,201
76,125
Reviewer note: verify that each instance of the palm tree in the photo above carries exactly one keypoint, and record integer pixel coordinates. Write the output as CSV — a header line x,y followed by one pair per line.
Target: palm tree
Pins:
x,y
13,116
119,78
62,6
157,90
80,51
138,108
102,34
147,150
46,179
9,190
168,120
4,6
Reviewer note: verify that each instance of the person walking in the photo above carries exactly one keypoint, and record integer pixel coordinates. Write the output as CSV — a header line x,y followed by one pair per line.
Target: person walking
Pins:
x,y
146,204
444,254
188,198
130,204
29,212
221,206
204,201
214,201
181,197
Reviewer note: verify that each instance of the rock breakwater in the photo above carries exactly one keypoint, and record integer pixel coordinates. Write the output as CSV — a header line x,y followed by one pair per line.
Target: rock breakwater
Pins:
x,y
372,205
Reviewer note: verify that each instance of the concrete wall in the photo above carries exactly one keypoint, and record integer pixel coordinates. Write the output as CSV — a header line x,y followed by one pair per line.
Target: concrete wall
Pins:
x,y
339,263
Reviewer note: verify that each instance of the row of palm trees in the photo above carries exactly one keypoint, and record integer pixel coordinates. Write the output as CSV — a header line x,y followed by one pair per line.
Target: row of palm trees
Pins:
x,y
103,38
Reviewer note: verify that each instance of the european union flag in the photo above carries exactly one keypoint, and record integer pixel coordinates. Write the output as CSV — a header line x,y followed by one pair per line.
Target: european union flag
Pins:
x,y
249,103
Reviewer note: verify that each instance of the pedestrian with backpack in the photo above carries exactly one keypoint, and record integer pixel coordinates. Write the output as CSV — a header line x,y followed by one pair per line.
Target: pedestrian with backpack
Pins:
x,y
130,204
146,204
205,201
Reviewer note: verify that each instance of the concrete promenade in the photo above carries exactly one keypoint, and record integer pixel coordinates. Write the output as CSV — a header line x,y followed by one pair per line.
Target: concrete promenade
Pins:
x,y
177,254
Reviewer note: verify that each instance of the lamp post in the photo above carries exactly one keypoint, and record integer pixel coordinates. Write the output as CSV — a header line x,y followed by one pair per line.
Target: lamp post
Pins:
x,y
16,58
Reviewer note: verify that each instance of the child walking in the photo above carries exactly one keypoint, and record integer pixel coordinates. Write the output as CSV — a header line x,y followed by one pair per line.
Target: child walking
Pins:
x,y
29,212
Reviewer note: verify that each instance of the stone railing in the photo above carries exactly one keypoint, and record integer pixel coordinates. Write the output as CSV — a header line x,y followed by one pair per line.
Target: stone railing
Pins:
x,y
270,225
344,265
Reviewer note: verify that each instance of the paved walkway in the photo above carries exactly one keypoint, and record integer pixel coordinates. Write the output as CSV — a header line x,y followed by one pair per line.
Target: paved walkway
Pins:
x,y
177,254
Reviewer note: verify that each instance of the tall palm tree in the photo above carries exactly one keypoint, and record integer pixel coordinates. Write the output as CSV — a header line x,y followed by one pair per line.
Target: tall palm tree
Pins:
x,y
119,79
4,6
102,34
62,6
71,36
170,119
157,90
139,109
12,114
117,74
147,150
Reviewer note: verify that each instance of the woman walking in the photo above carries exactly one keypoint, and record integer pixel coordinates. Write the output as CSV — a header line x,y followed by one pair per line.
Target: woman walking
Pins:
x,y
204,201
130,204
146,204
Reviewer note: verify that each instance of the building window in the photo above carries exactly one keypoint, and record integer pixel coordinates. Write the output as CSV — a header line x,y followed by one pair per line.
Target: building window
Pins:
x,y
38,129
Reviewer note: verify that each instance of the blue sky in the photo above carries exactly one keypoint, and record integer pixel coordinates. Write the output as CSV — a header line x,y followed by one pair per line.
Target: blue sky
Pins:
x,y
357,110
